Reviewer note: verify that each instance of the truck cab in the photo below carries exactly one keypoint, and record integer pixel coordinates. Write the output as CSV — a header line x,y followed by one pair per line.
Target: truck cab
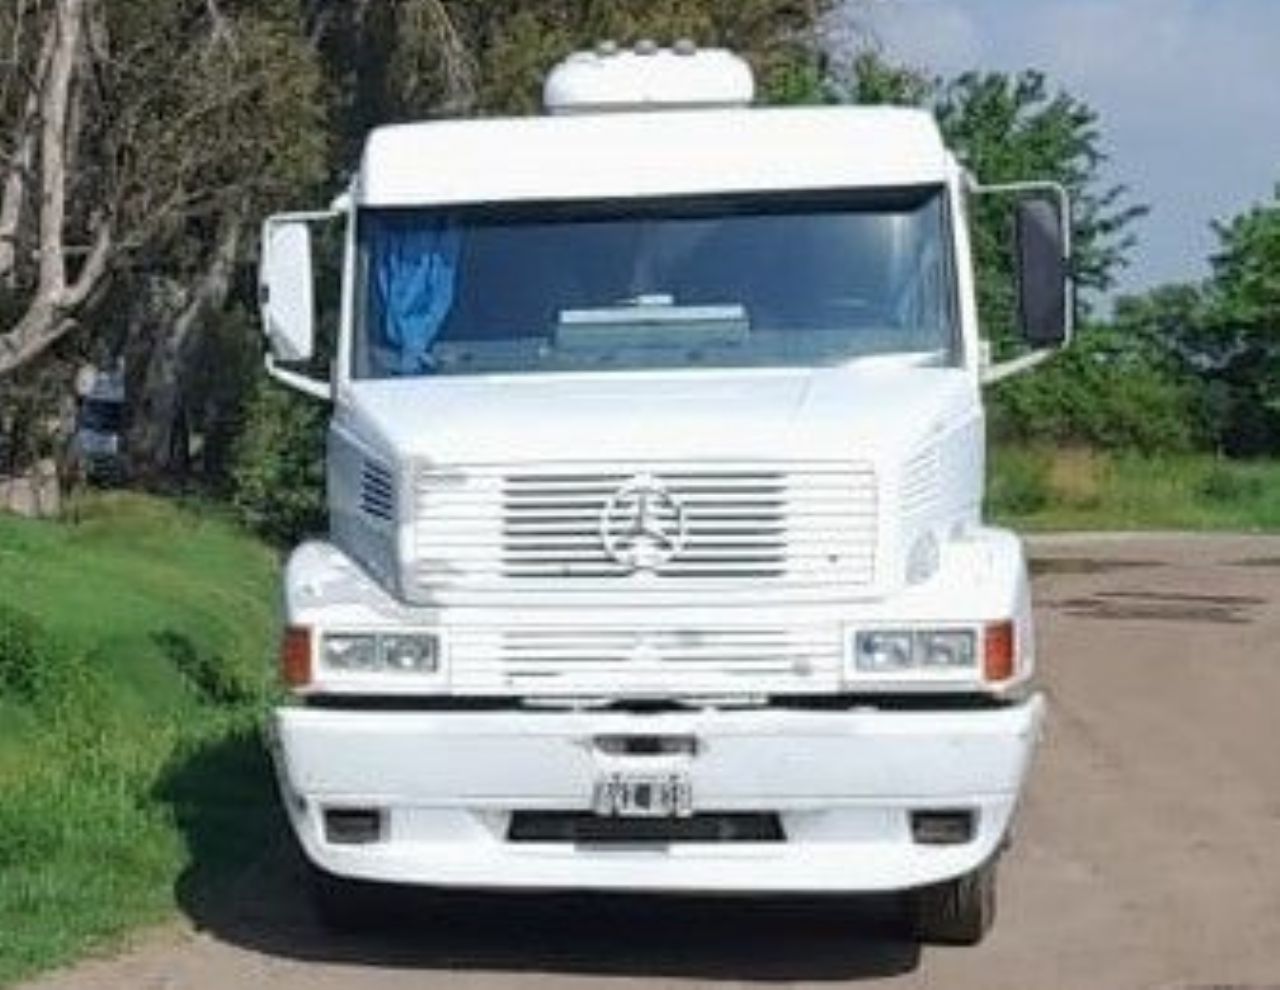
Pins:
x,y
656,559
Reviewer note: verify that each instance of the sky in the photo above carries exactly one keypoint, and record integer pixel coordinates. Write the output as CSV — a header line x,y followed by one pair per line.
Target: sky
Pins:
x,y
1188,93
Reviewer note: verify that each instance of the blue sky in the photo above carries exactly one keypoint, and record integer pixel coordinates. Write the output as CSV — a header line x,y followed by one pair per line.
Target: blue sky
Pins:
x,y
1188,92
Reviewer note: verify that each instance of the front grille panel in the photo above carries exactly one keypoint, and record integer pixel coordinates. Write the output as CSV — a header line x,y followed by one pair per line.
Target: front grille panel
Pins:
x,y
629,660
734,525
487,529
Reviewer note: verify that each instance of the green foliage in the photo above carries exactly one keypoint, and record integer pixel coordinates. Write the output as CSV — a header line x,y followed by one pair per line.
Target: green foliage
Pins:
x,y
279,465
113,750
1236,343
1008,128
406,59
1222,338
1105,391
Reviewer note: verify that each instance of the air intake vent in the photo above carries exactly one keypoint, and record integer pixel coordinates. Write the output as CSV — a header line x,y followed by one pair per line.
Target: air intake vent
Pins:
x,y
377,492
922,481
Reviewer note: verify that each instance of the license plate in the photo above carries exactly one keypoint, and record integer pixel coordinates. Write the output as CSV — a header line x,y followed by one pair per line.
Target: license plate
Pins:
x,y
625,795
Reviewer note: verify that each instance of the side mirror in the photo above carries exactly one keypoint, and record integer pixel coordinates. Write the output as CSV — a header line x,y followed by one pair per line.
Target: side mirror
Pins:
x,y
1044,298
286,289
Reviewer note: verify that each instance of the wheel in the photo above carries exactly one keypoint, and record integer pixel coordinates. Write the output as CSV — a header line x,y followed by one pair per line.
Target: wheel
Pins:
x,y
344,905
957,912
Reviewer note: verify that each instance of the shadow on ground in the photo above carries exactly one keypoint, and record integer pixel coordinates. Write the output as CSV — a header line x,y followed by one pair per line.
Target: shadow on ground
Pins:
x,y
247,886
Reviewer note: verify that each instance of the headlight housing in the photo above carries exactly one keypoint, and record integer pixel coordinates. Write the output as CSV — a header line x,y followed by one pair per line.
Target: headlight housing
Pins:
x,y
902,651
982,655
380,653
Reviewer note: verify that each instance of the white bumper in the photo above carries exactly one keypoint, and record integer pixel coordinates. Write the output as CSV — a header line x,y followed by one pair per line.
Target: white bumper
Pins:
x,y
842,783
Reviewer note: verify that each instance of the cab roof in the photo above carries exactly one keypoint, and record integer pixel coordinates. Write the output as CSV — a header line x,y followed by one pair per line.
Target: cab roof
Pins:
x,y
649,153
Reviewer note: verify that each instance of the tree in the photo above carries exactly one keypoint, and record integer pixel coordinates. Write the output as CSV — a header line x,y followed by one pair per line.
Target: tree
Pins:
x,y
1224,335
145,139
41,167
1008,128
406,59
1243,328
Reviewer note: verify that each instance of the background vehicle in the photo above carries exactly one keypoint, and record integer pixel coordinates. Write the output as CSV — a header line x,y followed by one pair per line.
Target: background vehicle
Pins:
x,y
655,473
97,443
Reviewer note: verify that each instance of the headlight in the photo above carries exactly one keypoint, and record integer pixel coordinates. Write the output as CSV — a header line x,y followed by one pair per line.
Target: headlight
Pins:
x,y
354,652
371,653
947,649
410,654
889,651
882,652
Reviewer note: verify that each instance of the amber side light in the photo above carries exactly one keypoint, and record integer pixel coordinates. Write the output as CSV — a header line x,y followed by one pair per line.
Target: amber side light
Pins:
x,y
295,656
999,652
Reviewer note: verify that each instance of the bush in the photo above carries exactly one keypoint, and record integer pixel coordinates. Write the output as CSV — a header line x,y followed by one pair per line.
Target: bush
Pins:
x,y
1103,392
278,473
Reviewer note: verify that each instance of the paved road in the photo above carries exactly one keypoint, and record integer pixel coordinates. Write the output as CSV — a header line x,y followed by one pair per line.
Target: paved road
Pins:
x,y
1148,853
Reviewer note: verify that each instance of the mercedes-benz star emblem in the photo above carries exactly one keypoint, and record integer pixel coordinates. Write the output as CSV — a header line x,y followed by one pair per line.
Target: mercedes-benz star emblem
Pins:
x,y
642,525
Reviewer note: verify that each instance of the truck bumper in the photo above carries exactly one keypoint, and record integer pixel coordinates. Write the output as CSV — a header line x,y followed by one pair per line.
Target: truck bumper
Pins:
x,y
843,786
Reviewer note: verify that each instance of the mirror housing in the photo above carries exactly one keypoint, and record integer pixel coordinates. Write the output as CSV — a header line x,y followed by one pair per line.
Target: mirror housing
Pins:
x,y
286,288
1044,295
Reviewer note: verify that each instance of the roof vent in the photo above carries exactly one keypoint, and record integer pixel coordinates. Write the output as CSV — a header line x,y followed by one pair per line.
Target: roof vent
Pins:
x,y
648,78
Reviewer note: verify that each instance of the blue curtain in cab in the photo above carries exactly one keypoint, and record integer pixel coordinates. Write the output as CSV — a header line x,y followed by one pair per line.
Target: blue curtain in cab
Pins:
x,y
414,269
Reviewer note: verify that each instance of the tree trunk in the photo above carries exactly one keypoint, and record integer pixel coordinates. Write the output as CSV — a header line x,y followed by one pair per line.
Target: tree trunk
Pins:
x,y
13,199
51,310
156,442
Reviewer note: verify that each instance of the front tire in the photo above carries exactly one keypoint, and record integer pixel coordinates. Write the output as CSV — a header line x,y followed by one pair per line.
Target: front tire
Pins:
x,y
956,912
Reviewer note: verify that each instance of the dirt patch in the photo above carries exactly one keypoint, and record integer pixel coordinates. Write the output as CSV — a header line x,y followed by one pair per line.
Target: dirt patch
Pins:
x,y
1144,606
1263,562
1042,566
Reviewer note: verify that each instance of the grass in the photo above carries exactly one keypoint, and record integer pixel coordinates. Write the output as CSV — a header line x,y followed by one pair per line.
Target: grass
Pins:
x,y
1075,489
134,655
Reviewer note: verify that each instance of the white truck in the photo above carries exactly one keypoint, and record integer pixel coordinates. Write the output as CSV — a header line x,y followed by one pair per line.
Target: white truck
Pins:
x,y
656,559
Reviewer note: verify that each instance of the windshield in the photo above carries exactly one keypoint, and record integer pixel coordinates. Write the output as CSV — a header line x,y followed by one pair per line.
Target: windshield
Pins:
x,y
746,281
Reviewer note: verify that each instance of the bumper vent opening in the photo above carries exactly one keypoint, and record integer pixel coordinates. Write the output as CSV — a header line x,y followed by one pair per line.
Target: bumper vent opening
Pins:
x,y
354,826
950,827
589,829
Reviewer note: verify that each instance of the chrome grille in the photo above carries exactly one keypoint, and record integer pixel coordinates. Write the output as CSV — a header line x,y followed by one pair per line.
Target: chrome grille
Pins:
x,y
735,525
485,529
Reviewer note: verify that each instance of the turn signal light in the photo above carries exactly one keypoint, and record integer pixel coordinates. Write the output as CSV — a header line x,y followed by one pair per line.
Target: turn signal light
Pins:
x,y
295,656
999,652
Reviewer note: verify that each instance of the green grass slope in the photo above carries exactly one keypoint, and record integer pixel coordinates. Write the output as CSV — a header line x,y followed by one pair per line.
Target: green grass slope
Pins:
x,y
135,650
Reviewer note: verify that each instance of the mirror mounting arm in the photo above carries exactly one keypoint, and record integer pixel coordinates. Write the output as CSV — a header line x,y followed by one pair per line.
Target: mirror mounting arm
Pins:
x,y
1056,189
313,387
1000,370
991,372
